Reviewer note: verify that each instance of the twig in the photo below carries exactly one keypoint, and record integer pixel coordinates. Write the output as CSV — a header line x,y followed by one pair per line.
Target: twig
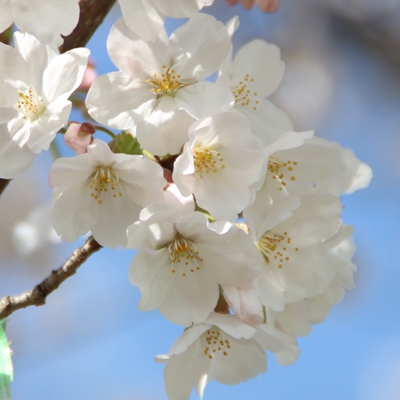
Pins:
x,y
37,295
92,14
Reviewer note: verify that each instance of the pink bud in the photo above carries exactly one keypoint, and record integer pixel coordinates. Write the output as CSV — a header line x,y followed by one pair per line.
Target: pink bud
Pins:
x,y
79,136
268,5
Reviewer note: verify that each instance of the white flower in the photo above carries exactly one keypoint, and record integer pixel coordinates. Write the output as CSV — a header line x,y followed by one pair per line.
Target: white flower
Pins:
x,y
146,17
221,348
290,237
102,192
160,86
46,20
35,83
182,260
297,162
253,75
34,232
220,163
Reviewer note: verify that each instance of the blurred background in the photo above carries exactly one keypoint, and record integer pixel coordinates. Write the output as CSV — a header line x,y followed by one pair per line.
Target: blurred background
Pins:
x,y
90,341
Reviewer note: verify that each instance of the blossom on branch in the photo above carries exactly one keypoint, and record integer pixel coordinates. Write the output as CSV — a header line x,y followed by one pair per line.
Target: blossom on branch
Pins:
x,y
160,86
35,83
102,192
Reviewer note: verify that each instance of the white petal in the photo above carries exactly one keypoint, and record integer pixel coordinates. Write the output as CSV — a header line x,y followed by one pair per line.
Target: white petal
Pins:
x,y
64,74
134,56
118,101
181,8
14,158
142,18
204,98
42,18
199,47
261,61
6,17
44,129
166,130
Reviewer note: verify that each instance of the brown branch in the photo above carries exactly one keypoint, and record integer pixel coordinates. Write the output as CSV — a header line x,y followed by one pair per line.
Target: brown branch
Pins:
x,y
92,14
37,295
3,184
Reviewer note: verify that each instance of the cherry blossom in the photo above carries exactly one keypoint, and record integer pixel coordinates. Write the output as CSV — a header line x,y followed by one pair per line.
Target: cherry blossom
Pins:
x,y
220,163
183,258
160,86
103,193
35,84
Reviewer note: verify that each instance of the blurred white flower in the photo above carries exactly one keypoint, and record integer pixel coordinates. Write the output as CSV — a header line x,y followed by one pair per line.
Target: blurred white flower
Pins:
x,y
47,20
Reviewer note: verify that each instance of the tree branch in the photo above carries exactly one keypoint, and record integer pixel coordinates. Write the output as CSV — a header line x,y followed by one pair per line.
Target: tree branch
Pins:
x,y
37,296
92,14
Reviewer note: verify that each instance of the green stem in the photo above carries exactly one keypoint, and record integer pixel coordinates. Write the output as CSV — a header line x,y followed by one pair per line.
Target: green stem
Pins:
x,y
54,150
101,128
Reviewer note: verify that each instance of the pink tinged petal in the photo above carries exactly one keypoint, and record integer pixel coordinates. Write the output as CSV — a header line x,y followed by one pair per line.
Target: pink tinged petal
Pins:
x,y
6,17
204,98
118,101
64,74
44,129
136,57
268,122
36,54
72,215
150,272
166,130
42,18
180,8
199,47
184,371
142,18
79,136
262,62
14,158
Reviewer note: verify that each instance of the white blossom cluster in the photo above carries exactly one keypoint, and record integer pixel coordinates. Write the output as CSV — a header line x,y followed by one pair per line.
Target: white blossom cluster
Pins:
x,y
236,218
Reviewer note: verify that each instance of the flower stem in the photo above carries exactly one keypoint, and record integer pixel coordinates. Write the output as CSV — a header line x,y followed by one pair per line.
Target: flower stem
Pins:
x,y
101,128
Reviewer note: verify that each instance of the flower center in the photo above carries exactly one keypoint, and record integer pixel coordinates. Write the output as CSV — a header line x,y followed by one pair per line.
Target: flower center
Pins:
x,y
102,181
206,160
272,246
243,96
30,104
167,84
281,171
185,252
215,342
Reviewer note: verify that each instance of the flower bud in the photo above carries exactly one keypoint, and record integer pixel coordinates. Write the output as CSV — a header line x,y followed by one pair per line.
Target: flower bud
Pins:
x,y
79,136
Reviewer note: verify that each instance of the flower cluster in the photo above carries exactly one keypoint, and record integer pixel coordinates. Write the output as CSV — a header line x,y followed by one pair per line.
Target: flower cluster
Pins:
x,y
235,216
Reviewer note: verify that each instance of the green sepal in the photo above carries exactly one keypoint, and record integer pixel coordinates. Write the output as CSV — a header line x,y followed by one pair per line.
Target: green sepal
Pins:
x,y
6,367
125,143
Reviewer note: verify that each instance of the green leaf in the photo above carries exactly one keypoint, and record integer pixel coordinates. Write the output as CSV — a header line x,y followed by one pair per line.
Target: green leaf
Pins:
x,y
6,368
125,143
